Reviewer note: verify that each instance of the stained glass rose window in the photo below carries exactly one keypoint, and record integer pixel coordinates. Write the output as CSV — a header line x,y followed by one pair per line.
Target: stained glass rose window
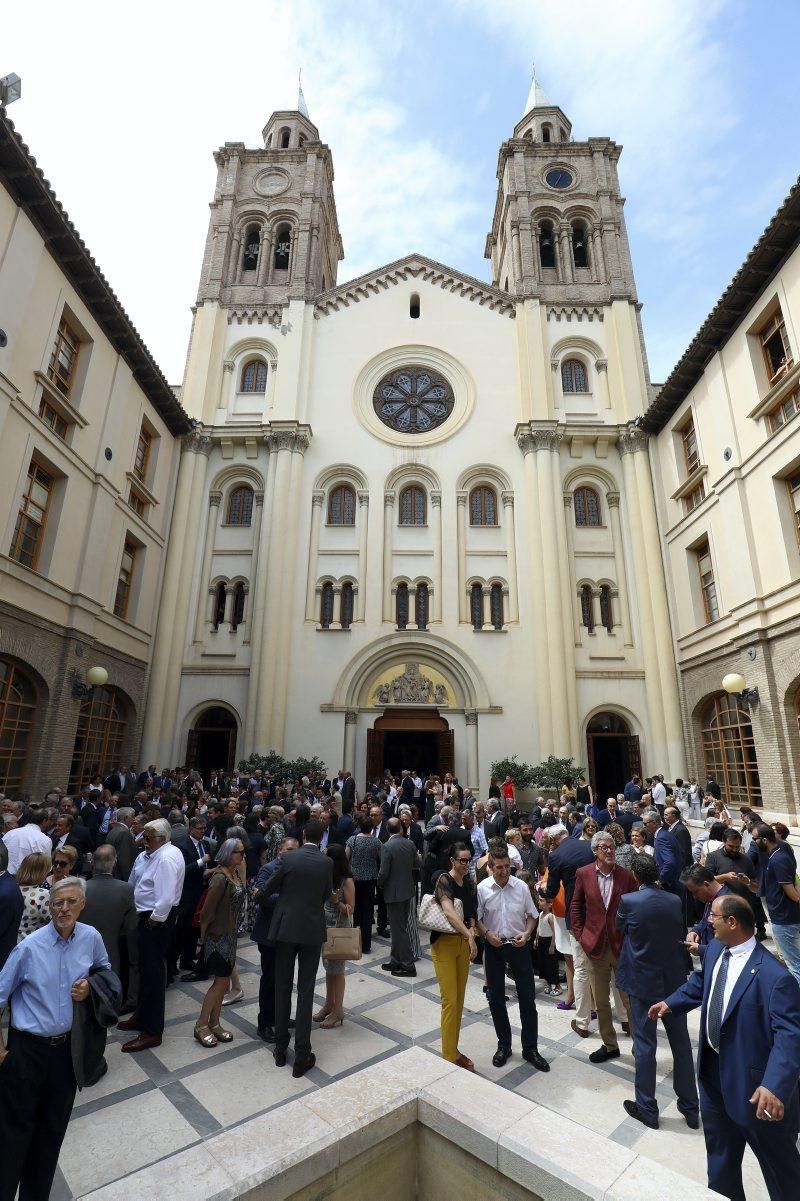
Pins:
x,y
413,400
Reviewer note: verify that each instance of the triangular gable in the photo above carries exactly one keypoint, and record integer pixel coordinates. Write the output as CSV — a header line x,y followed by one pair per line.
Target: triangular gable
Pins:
x,y
414,266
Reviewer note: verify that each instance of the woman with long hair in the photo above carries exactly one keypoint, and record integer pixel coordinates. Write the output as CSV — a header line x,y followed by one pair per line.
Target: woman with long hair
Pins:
x,y
452,953
31,875
219,920
338,909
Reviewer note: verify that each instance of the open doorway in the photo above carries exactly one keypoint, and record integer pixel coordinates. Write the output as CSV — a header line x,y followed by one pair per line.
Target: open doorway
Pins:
x,y
417,739
613,754
212,742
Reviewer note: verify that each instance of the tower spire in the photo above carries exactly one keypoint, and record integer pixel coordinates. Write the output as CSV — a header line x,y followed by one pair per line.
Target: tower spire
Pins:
x,y
537,98
302,107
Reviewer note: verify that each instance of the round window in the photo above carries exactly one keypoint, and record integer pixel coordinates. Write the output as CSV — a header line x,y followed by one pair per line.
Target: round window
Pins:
x,y
413,400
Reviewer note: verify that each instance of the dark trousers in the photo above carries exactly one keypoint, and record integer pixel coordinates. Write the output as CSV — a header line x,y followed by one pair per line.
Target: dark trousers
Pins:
x,y
185,943
645,1037
518,960
774,1144
266,987
383,917
154,942
307,957
362,913
402,954
37,1089
545,964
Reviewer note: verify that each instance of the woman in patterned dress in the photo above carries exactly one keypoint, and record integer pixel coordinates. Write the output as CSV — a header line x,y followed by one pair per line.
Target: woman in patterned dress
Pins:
x,y
219,920
31,876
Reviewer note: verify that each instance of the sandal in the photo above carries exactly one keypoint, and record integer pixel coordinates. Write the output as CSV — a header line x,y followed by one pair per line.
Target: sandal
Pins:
x,y
321,1014
207,1040
222,1036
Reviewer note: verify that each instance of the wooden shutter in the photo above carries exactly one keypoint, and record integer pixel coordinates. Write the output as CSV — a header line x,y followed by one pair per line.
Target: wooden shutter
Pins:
x,y
634,756
446,752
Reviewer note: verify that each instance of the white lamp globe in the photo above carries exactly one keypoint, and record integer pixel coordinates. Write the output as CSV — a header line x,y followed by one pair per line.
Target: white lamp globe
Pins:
x,y
96,676
733,682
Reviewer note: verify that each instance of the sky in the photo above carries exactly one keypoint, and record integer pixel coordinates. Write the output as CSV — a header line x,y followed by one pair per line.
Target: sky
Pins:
x,y
123,106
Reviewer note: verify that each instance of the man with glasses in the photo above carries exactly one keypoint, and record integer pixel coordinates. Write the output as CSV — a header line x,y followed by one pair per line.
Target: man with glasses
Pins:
x,y
44,975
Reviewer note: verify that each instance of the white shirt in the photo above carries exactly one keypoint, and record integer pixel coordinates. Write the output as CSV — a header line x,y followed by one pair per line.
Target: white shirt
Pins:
x,y
157,881
505,911
25,840
515,857
736,965
659,794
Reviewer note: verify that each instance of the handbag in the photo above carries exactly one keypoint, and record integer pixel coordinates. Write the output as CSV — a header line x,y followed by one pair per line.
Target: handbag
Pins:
x,y
343,942
431,916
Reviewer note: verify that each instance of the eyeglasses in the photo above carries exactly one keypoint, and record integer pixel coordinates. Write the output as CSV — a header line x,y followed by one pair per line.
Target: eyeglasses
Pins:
x,y
61,863
65,904
463,862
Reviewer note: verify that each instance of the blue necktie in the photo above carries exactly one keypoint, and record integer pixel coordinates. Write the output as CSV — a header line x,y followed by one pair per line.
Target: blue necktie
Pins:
x,y
714,1015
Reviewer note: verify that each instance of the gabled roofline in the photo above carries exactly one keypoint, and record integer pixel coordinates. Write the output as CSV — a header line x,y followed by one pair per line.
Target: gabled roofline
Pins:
x,y
414,265
27,185
771,250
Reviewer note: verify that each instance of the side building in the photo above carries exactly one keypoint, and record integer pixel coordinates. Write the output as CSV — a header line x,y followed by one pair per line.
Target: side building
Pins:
x,y
725,457
90,438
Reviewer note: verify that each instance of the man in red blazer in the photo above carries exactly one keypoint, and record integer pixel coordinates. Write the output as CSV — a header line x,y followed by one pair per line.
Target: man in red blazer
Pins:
x,y
598,888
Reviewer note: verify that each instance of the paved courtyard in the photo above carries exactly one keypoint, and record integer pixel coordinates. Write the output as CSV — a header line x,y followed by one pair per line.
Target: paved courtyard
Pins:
x,y
160,1104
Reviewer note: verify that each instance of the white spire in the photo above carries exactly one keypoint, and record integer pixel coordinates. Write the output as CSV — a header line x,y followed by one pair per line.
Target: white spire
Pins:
x,y
302,107
536,96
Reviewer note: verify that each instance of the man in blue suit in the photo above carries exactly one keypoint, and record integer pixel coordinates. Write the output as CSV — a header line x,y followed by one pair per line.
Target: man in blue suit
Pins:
x,y
667,852
748,1057
652,962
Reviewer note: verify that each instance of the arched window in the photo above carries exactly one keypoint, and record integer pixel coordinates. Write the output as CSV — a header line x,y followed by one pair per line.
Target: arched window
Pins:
x,y
421,607
220,593
346,606
342,505
401,606
413,506
285,135
240,505
496,606
476,606
547,250
100,742
413,306
587,607
729,750
252,244
237,614
606,609
580,250
283,248
547,133
482,506
254,376
326,605
17,710
587,506
573,376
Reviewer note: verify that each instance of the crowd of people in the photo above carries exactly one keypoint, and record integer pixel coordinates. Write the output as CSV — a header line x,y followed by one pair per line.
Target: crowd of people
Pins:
x,y
107,896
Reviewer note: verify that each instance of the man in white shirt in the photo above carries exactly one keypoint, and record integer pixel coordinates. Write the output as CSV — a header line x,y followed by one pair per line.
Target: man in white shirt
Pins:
x,y
658,794
507,918
157,879
30,838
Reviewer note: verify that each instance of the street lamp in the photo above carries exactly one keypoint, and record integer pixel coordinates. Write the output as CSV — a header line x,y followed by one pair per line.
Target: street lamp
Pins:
x,y
735,684
10,89
95,678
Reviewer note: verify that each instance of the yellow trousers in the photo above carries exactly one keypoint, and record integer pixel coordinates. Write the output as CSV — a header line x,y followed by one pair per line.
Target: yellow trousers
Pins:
x,y
450,955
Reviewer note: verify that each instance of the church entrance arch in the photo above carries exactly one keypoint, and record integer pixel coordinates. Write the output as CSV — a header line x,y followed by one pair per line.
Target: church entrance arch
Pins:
x,y
419,740
211,743
613,754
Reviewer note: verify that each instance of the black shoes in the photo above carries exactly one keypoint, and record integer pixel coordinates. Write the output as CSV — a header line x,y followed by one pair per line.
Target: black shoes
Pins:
x,y
301,1066
280,1059
692,1120
382,933
388,967
404,971
538,1061
266,1033
633,1111
502,1056
604,1053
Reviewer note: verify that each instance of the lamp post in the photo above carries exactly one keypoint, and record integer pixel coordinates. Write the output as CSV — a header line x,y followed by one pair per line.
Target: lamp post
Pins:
x,y
735,684
96,677
10,89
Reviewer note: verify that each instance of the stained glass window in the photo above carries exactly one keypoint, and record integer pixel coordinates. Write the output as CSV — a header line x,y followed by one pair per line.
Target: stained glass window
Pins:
x,y
476,606
326,608
413,400
482,506
412,506
587,607
240,506
342,505
573,376
346,603
402,606
496,606
587,507
254,376
422,607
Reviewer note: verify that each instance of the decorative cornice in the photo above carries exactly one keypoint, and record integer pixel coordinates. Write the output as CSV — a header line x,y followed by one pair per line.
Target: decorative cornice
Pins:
x,y
565,312
415,266
292,437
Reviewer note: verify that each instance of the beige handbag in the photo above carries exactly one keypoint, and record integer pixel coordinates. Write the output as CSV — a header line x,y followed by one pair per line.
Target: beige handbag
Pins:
x,y
343,942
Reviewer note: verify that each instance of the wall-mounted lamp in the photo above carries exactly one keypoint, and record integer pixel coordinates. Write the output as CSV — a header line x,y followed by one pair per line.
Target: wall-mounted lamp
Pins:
x,y
734,683
95,678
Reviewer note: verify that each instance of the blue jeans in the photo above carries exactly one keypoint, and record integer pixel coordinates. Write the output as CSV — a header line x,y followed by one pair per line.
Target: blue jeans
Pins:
x,y
787,940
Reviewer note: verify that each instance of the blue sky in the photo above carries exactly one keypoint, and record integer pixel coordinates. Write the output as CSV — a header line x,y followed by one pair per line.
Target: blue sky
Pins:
x,y
124,108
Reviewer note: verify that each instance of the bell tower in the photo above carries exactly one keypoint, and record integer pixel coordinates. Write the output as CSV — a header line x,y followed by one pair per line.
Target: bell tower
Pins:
x,y
273,234
558,232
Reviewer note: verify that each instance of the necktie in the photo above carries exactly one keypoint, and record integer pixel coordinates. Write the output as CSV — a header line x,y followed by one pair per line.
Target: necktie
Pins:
x,y
714,1015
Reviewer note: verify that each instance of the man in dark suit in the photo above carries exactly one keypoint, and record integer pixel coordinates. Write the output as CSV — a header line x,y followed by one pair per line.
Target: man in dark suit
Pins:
x,y
748,1058
399,861
11,906
348,789
304,881
702,886
681,834
116,781
380,830
567,855
266,900
667,852
652,962
196,851
121,839
69,833
496,820
110,909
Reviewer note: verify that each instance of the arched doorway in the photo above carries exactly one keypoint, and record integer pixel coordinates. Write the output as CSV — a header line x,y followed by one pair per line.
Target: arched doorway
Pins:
x,y
101,738
212,741
17,710
613,754
418,739
729,749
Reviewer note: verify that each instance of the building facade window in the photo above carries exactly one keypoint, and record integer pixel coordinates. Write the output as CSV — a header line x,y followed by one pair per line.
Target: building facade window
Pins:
x,y
606,609
775,347
64,359
729,750
586,503
100,743
252,245
240,506
580,252
496,606
401,606
137,503
283,248
254,376
587,607
413,506
122,599
708,587
573,376
476,606
326,605
694,498
26,544
237,612
346,606
793,485
342,505
220,593
691,455
547,249
18,698
53,419
785,411
482,506
421,607
143,449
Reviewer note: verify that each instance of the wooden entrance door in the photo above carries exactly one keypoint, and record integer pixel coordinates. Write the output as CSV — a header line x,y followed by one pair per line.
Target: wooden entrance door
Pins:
x,y
394,724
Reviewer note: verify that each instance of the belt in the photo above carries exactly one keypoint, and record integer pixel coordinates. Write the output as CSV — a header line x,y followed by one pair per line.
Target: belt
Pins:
x,y
51,1040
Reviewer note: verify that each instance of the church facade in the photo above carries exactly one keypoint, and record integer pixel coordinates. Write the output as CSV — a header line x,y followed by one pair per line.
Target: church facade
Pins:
x,y
414,524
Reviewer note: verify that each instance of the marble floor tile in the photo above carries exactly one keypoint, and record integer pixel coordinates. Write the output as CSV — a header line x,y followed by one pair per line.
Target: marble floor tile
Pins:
x,y
407,1013
238,1088
347,1047
180,1049
361,987
123,1071
581,1091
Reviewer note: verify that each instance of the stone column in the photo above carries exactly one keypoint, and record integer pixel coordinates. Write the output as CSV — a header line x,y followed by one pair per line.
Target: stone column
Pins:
x,y
541,667
612,500
212,516
565,247
516,258
511,555
597,616
252,588
597,254
461,535
563,597
572,597
436,516
265,257
349,754
363,530
601,367
529,272
317,501
486,610
260,574
473,771
224,384
228,614
388,531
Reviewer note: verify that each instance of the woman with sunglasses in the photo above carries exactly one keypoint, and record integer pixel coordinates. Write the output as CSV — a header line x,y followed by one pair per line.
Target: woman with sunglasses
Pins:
x,y
219,919
453,953
64,860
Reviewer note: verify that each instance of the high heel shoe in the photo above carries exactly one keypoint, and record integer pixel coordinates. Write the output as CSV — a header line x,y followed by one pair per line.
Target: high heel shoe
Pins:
x,y
332,1020
321,1014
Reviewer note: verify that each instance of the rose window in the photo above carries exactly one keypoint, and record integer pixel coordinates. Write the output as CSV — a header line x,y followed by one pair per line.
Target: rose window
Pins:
x,y
413,400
